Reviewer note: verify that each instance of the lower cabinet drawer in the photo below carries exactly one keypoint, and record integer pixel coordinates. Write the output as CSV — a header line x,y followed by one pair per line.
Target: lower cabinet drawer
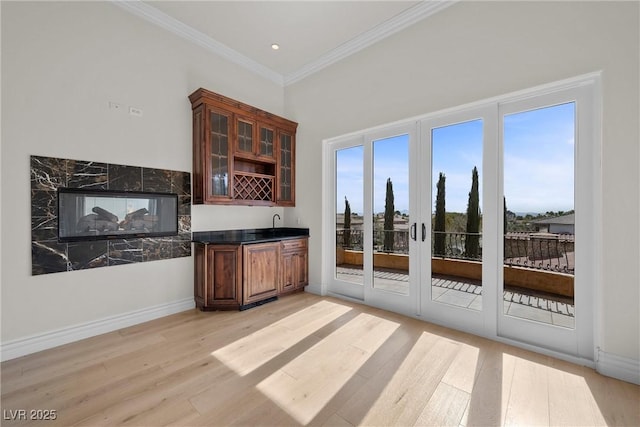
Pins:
x,y
294,244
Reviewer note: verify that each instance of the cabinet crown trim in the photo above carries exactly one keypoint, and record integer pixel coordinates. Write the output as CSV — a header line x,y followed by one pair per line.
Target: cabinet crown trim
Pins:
x,y
204,96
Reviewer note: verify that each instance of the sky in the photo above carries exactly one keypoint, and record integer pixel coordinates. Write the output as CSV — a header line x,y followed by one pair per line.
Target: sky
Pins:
x,y
349,178
539,159
538,164
390,160
456,149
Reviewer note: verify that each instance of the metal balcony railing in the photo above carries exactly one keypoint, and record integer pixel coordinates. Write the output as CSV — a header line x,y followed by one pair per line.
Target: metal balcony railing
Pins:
x,y
550,252
352,239
453,245
349,239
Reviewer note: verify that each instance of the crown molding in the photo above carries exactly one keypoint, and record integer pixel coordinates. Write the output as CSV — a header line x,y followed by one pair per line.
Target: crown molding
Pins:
x,y
155,16
385,29
399,22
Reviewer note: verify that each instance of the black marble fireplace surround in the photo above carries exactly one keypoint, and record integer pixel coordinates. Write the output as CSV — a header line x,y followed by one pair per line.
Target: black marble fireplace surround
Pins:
x,y
48,174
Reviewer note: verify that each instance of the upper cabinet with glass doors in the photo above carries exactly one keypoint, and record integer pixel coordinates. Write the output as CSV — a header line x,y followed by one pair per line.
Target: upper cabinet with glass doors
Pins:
x,y
241,155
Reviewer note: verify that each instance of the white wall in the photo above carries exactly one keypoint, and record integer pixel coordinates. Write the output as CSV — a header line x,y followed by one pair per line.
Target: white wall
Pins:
x,y
62,62
477,50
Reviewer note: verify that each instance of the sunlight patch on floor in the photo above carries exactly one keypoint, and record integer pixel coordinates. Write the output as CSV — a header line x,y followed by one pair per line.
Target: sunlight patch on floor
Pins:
x,y
246,354
306,384
411,384
570,390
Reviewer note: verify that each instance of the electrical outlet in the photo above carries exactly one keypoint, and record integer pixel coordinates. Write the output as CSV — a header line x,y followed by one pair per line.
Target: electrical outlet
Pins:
x,y
135,111
115,106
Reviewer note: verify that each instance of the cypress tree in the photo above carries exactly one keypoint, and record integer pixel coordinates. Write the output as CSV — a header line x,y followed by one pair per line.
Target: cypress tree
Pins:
x,y
346,237
389,213
440,219
472,241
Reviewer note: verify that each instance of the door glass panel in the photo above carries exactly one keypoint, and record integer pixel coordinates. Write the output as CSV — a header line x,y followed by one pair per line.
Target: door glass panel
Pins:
x,y
391,214
219,154
349,210
539,216
456,262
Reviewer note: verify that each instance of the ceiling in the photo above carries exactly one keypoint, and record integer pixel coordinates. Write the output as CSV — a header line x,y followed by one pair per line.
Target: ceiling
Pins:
x,y
311,34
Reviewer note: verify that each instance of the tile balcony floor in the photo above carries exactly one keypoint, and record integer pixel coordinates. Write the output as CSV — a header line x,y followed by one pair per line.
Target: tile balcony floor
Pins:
x,y
462,292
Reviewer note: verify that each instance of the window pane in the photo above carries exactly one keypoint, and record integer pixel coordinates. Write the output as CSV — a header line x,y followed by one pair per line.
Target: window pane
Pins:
x,y
539,215
456,264
349,209
391,214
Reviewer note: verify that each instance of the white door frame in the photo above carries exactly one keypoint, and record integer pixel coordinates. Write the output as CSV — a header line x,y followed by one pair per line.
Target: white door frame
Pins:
x,y
408,304
331,284
478,322
588,199
580,340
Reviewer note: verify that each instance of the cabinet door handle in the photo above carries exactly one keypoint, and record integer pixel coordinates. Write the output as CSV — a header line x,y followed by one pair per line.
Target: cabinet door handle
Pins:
x,y
424,231
413,231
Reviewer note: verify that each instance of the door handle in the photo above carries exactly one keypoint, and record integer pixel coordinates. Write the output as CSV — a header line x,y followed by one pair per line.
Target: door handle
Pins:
x,y
424,232
412,232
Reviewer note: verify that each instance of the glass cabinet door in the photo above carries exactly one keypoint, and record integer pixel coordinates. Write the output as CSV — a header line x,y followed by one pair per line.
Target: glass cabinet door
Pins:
x,y
219,154
245,140
286,171
266,142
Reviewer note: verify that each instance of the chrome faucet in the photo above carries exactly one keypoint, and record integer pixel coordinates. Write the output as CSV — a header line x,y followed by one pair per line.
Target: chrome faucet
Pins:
x,y
273,220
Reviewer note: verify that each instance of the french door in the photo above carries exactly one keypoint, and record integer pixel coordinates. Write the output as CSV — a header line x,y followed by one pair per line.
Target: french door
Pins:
x,y
482,218
548,180
457,276
374,207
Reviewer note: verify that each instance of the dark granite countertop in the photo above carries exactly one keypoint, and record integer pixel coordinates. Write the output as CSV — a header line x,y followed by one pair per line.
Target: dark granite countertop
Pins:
x,y
251,235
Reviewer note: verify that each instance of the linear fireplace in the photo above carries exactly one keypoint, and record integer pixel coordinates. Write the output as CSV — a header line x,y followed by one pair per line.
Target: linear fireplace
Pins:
x,y
103,214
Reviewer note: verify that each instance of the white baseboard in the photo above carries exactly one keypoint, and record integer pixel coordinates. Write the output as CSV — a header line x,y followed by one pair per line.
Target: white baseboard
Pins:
x,y
615,366
23,346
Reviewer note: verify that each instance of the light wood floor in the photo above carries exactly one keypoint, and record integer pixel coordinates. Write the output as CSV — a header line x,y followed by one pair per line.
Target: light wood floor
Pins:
x,y
307,360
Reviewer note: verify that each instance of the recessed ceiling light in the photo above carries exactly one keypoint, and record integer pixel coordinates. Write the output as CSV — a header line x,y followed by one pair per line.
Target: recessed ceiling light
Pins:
x,y
275,46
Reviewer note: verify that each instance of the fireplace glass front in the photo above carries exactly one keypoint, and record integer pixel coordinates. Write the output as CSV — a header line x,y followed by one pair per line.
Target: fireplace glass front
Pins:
x,y
104,214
